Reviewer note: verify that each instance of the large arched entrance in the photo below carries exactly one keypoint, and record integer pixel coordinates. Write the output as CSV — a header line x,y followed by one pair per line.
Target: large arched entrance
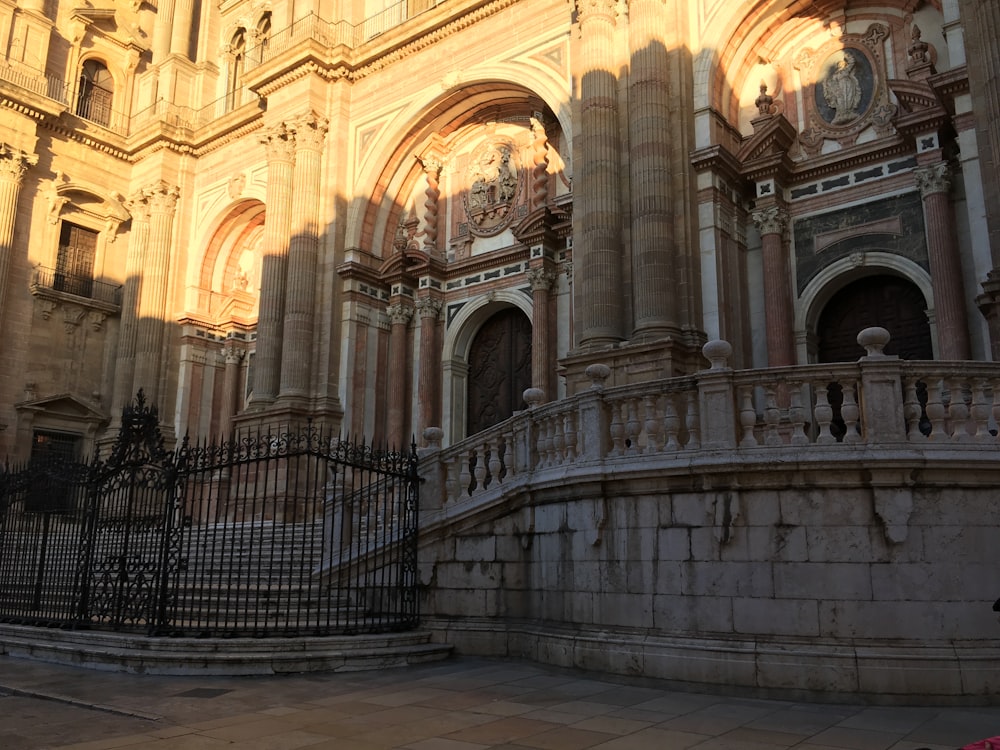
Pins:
x,y
887,301
499,369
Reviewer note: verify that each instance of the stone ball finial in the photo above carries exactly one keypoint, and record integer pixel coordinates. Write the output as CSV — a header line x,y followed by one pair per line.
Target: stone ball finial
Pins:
x,y
597,373
533,397
433,437
874,340
718,353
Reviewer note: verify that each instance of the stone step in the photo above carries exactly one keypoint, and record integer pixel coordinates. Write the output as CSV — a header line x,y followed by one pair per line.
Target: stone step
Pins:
x,y
220,656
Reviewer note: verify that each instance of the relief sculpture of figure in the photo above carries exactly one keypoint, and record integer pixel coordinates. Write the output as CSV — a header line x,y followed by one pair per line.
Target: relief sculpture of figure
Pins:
x,y
842,90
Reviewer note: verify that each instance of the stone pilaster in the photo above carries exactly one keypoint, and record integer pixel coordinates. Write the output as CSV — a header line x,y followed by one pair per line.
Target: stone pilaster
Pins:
x,y
597,152
934,182
152,301
429,374
654,247
13,164
772,223
279,142
233,352
128,331
303,255
542,366
399,319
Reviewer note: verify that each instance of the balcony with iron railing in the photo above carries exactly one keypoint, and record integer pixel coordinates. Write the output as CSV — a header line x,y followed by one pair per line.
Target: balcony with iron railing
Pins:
x,y
58,286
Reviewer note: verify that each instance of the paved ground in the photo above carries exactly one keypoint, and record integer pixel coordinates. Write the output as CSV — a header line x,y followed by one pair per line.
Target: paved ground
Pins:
x,y
462,704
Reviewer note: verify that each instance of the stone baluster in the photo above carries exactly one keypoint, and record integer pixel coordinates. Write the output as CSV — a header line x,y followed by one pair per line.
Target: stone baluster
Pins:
x,y
597,229
558,439
479,470
429,374
399,319
152,303
617,428
772,222
303,257
796,415
279,142
13,164
823,414
541,280
945,262
912,411
671,423
633,427
495,464
233,352
958,411
464,474
653,425
569,429
936,410
454,481
849,412
692,421
772,415
995,410
981,411
510,466
748,417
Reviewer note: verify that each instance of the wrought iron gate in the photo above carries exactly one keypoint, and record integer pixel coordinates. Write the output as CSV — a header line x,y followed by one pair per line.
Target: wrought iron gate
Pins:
x,y
291,533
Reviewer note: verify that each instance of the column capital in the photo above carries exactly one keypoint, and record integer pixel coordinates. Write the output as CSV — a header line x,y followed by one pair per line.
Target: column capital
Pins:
x,y
933,179
161,197
138,206
233,351
541,279
432,164
309,130
604,9
279,143
399,313
429,307
771,220
14,162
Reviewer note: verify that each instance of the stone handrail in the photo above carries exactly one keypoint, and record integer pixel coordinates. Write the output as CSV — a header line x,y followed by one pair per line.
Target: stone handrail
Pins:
x,y
879,402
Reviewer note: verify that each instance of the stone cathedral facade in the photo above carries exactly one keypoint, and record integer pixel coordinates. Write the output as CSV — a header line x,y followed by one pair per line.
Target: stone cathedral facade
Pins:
x,y
393,218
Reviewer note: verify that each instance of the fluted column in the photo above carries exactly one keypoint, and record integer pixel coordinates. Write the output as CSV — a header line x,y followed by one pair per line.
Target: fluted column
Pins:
x,y
180,34
541,280
128,332
772,223
429,373
399,318
303,252
597,226
654,248
946,265
432,172
279,142
13,164
152,302
233,352
163,30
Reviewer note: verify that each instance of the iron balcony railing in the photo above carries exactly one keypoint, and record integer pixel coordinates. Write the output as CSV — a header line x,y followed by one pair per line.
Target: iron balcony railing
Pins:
x,y
81,286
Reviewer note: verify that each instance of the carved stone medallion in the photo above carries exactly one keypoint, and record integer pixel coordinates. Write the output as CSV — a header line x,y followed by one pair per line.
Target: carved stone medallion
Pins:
x,y
494,185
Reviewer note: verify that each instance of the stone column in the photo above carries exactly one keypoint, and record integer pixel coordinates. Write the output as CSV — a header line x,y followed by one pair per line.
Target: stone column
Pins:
x,y
542,367
180,34
279,142
946,266
13,164
779,321
596,155
429,373
152,302
654,248
399,318
128,331
432,171
303,254
163,30
233,351
539,165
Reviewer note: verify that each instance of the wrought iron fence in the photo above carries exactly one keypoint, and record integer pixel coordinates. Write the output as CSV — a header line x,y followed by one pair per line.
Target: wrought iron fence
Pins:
x,y
297,533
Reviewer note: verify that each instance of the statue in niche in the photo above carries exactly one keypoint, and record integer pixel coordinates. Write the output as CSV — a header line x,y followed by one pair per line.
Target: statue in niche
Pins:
x,y
842,89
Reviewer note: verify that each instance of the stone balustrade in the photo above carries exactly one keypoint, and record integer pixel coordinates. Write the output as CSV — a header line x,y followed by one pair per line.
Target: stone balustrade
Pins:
x,y
879,403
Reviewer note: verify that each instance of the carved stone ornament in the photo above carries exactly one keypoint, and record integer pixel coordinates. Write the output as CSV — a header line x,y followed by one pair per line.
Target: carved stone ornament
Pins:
x,y
399,313
771,220
494,185
845,89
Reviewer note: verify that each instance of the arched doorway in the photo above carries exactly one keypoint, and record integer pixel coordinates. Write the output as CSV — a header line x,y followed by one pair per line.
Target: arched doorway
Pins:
x,y
499,369
887,301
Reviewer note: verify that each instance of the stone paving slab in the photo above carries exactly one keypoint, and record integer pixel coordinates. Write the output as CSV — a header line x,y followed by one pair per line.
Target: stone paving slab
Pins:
x,y
462,704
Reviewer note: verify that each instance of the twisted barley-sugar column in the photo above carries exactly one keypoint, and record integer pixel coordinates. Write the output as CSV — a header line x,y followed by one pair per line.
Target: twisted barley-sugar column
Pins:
x,y
946,269
597,247
541,281
654,247
772,222
303,255
429,373
128,332
432,173
13,164
399,318
279,142
152,302
233,353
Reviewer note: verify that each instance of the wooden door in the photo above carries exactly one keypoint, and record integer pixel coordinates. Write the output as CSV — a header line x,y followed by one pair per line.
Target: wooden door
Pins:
x,y
499,369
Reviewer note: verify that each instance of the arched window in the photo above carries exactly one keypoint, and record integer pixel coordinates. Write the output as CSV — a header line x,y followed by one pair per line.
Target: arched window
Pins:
x,y
96,92
263,35
237,62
